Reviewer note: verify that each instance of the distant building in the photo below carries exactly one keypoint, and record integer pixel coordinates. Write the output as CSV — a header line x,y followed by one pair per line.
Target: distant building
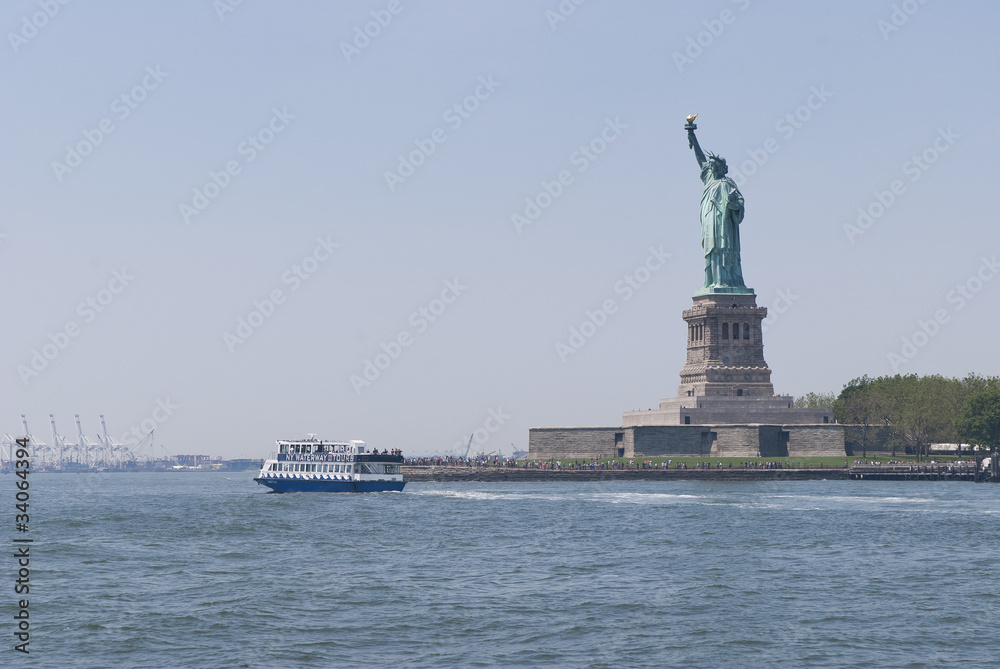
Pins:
x,y
204,461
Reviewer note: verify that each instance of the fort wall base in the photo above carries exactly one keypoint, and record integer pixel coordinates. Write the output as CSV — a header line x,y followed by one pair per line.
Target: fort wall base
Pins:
x,y
708,441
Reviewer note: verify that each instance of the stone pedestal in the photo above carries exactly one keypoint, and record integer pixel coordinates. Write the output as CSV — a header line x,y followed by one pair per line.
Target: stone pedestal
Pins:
x,y
725,380
725,348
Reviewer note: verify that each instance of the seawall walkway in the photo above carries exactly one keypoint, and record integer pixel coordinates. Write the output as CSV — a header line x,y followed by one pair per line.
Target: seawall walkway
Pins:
x,y
910,472
448,474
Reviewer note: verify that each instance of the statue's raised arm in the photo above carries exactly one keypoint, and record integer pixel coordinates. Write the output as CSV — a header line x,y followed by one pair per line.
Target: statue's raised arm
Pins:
x,y
693,141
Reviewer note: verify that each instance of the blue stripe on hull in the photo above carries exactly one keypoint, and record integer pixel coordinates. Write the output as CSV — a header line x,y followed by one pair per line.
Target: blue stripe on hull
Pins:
x,y
306,485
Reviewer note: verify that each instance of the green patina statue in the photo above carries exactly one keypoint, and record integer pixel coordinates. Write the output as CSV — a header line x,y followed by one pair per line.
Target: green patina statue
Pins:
x,y
721,214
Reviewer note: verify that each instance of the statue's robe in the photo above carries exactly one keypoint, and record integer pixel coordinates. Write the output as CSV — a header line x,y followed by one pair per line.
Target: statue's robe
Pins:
x,y
721,214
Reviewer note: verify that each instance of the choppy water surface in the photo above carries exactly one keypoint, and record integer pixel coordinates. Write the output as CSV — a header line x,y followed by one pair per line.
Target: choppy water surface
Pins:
x,y
209,570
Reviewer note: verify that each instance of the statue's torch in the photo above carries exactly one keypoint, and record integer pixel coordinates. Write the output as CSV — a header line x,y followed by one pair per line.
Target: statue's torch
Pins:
x,y
691,127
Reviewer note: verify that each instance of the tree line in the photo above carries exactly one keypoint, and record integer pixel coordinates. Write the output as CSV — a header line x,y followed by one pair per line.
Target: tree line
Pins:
x,y
909,413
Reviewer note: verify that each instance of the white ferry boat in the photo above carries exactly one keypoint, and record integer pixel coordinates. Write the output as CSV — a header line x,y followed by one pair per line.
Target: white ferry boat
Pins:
x,y
309,465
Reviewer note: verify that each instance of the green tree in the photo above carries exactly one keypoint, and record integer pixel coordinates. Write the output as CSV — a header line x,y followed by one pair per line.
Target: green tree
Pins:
x,y
815,401
979,422
857,409
910,412
924,413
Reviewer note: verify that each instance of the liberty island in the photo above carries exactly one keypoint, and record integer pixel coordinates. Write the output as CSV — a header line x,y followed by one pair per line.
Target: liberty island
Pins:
x,y
725,404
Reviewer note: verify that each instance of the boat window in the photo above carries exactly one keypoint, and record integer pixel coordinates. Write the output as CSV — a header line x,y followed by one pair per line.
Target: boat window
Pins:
x,y
283,449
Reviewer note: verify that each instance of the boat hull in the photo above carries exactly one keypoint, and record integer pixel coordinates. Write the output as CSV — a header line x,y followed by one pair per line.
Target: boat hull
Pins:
x,y
313,485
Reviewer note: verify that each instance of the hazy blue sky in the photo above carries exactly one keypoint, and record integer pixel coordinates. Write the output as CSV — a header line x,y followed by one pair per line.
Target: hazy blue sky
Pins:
x,y
116,113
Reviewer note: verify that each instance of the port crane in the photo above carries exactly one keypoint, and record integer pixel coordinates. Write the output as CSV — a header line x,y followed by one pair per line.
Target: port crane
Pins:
x,y
91,449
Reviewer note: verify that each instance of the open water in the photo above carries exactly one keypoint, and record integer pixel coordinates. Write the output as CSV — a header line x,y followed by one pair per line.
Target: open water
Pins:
x,y
209,570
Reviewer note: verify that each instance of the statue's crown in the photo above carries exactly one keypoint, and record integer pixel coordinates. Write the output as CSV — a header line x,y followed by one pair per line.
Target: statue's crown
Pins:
x,y
718,160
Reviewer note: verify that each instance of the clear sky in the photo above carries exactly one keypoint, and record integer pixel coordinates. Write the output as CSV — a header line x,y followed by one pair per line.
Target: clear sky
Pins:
x,y
170,169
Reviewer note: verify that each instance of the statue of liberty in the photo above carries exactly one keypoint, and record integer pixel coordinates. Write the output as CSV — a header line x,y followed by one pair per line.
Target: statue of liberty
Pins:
x,y
721,214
